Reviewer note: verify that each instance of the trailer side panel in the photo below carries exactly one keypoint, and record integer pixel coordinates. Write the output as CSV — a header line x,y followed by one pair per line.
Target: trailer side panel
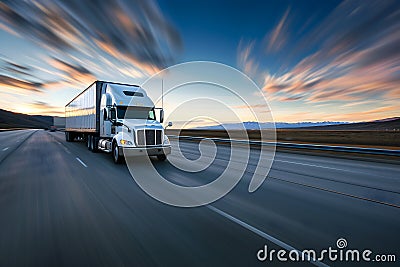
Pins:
x,y
82,113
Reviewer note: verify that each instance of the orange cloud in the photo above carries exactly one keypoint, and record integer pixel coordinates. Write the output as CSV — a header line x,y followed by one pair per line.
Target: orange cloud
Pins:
x,y
278,36
244,60
39,107
13,83
74,73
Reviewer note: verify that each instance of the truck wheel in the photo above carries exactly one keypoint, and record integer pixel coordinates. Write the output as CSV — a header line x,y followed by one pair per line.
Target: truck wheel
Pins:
x,y
161,157
93,144
115,153
89,142
69,137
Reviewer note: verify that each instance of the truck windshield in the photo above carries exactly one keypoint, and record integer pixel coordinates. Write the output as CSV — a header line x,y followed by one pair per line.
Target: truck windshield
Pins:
x,y
135,113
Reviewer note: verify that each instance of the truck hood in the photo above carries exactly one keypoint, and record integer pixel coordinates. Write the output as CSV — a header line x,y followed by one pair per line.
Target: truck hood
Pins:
x,y
137,124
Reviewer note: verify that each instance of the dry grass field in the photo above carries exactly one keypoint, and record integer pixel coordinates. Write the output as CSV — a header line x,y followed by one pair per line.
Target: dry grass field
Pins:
x,y
355,138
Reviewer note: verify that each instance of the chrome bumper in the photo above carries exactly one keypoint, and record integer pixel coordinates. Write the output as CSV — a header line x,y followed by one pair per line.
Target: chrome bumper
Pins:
x,y
144,151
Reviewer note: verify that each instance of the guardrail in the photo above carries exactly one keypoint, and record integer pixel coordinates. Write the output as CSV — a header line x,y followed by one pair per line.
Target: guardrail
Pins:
x,y
347,149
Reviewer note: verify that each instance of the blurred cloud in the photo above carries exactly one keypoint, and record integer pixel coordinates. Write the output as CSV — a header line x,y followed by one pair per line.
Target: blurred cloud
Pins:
x,y
18,66
279,35
261,106
18,84
70,72
14,68
134,29
380,112
244,59
352,56
21,77
39,107
72,43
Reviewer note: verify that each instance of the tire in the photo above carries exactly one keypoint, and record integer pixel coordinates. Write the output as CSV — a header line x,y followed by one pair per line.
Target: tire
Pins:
x,y
89,142
69,137
115,154
94,144
161,157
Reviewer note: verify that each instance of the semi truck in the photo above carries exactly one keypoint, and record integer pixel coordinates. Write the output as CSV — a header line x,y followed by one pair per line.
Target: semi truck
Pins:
x,y
119,119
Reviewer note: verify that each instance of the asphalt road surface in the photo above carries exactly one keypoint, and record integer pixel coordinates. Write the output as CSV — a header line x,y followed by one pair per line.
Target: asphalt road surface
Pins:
x,y
61,205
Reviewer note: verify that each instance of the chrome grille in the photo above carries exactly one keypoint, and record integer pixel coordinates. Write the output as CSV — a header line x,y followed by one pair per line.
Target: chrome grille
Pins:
x,y
158,137
140,138
149,137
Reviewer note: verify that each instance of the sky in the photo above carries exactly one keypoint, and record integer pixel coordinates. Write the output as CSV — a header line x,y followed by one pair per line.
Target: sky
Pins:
x,y
312,60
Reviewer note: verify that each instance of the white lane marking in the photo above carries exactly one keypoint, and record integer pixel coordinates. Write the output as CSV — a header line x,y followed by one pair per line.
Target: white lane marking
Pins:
x,y
64,147
311,165
81,162
264,235
4,149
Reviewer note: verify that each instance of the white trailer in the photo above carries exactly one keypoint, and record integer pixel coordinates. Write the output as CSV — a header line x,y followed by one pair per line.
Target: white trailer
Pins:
x,y
117,118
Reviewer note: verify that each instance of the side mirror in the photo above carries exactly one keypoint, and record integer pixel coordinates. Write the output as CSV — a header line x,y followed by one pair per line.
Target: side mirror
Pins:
x,y
169,124
112,115
161,115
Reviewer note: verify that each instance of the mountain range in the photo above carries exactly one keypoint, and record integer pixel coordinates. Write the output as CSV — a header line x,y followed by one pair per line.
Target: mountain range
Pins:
x,y
10,119
383,124
251,125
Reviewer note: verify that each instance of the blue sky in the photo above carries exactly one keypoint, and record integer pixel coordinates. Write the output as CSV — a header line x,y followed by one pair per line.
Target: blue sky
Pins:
x,y
212,30
313,60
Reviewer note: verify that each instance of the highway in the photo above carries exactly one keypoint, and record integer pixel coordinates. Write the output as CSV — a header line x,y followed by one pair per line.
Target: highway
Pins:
x,y
62,205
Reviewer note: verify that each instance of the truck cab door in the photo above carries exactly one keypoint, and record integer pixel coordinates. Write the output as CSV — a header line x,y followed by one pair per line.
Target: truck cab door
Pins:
x,y
105,130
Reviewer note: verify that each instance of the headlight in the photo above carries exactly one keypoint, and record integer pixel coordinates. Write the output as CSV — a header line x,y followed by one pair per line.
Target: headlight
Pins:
x,y
166,140
125,142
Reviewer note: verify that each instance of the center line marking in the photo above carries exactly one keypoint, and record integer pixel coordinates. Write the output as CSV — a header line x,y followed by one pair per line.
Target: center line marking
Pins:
x,y
4,149
81,162
264,235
